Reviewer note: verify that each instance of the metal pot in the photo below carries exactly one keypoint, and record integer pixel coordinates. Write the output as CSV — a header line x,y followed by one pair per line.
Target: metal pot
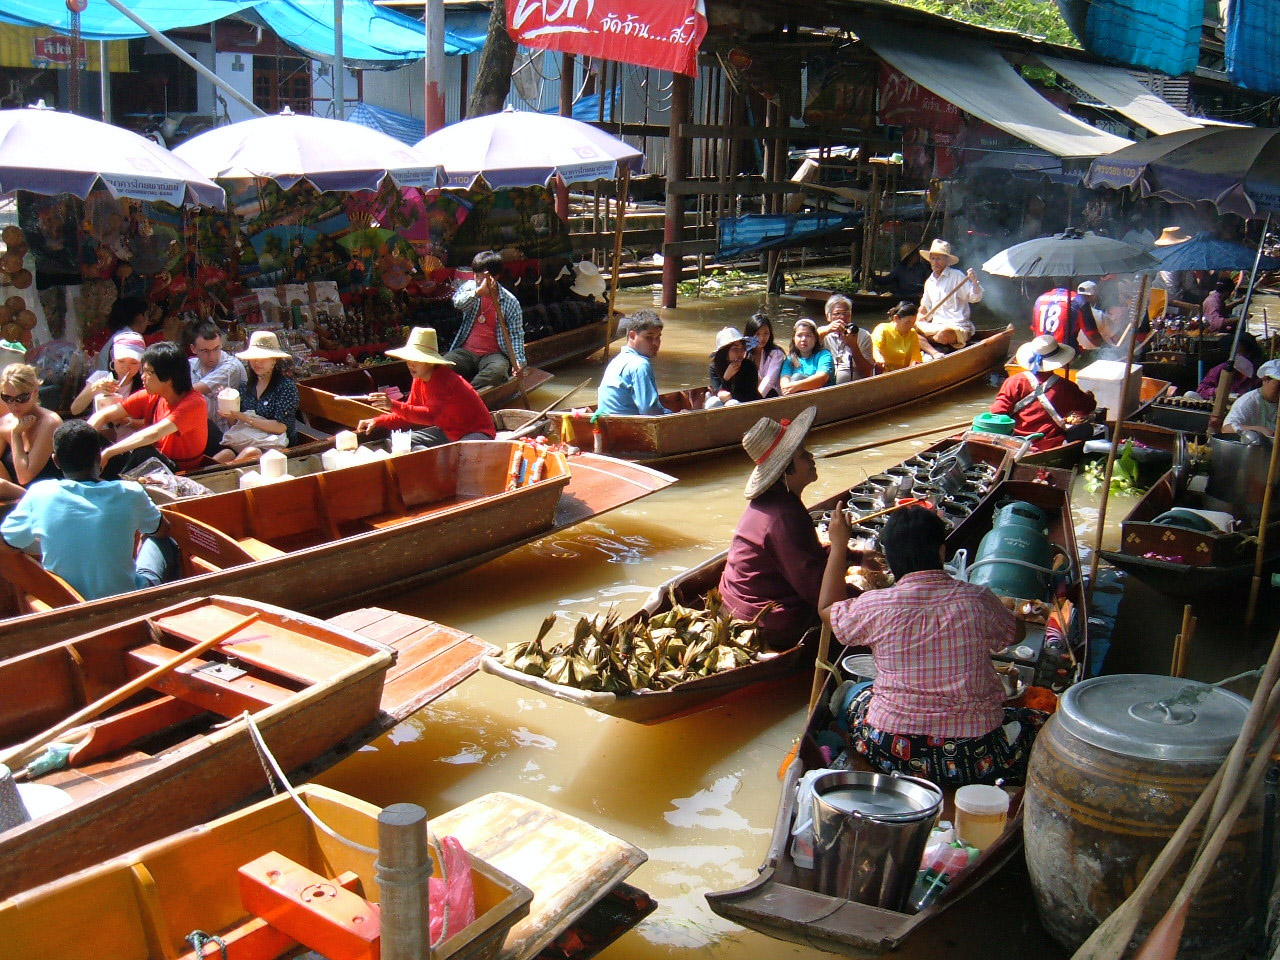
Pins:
x,y
1238,476
948,474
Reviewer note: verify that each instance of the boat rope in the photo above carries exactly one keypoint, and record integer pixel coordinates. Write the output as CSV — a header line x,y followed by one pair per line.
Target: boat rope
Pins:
x,y
199,940
268,759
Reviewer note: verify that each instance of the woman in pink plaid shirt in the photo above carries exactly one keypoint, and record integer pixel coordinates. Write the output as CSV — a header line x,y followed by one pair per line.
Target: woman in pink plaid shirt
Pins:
x,y
936,708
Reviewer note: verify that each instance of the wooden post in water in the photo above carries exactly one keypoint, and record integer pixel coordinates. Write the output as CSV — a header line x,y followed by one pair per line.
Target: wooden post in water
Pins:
x,y
677,168
402,871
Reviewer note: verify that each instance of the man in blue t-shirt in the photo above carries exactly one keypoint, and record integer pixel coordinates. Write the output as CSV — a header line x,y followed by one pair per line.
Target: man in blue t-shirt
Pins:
x,y
628,386
85,526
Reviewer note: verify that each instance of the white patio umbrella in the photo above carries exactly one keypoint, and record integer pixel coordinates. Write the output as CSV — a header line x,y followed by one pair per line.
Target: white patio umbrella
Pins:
x,y
329,154
1069,254
48,152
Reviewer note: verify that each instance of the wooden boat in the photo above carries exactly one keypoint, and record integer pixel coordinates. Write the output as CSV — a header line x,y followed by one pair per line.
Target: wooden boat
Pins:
x,y
815,300
692,431
324,540
190,881
1179,561
781,901
1184,357
568,346
167,758
142,905
689,589
335,401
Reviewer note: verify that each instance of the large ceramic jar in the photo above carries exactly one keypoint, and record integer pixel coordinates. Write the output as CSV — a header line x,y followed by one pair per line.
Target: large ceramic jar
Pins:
x,y
1111,777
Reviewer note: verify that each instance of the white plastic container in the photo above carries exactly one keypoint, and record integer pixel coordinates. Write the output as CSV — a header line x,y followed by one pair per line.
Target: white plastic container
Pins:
x,y
1111,387
981,812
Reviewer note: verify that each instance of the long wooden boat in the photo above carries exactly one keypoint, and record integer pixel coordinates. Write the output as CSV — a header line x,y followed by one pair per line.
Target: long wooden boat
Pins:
x,y
815,300
568,346
142,905
1179,561
781,902
692,431
321,541
689,589
167,759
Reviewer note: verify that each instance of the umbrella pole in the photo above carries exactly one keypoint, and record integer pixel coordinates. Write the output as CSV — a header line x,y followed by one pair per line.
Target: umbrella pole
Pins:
x,y
1224,379
1139,307
619,222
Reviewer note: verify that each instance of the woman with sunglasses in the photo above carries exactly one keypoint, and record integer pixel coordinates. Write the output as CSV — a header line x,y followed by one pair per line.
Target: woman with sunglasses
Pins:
x,y
26,432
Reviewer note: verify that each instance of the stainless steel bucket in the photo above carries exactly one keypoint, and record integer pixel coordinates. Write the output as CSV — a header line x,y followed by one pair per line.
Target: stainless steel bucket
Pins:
x,y
870,831
1238,477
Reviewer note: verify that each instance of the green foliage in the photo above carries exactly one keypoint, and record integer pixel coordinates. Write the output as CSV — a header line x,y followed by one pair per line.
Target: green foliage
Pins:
x,y
1036,17
1124,474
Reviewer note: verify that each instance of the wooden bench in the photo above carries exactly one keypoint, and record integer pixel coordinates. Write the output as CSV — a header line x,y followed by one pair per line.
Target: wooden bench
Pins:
x,y
227,698
36,588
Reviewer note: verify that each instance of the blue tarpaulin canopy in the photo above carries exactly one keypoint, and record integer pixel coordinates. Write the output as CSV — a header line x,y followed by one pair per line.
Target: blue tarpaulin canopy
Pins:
x,y
753,232
1253,44
406,129
1159,35
370,33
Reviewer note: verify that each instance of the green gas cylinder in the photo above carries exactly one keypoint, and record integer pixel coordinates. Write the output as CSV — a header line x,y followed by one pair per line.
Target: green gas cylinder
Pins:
x,y
1014,557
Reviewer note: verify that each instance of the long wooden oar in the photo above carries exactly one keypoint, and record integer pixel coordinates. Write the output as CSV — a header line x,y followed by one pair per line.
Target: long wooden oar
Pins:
x,y
532,424
511,354
123,693
938,306
858,448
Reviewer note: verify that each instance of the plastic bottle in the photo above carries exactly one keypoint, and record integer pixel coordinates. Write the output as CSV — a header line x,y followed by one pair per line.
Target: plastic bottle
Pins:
x,y
947,864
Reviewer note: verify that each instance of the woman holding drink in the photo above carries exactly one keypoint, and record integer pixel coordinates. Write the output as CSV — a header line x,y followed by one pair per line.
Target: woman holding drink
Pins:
x,y
102,388
265,416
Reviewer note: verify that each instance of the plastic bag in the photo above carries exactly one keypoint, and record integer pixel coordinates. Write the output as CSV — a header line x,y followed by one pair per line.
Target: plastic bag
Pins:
x,y
456,888
802,829
152,473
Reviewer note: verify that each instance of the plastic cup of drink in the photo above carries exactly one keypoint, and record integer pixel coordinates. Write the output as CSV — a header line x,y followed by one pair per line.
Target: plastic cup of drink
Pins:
x,y
401,441
981,812
104,400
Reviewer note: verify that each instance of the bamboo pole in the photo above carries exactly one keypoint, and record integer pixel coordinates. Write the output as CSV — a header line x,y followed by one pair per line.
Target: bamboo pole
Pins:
x,y
1139,305
1260,556
624,191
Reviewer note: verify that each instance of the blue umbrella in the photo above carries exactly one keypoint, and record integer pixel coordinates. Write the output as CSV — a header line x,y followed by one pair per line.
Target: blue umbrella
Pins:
x,y
1206,252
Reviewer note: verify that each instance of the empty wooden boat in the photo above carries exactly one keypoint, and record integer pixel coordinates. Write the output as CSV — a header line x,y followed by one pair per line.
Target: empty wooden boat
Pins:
x,y
143,905
168,757
782,901
690,430
321,541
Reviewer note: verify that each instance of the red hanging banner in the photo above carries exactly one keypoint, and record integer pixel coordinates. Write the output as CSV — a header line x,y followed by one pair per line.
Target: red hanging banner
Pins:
x,y
664,35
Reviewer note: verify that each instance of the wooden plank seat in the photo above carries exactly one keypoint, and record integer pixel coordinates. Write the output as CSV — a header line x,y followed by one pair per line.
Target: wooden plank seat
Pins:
x,y
36,588
227,698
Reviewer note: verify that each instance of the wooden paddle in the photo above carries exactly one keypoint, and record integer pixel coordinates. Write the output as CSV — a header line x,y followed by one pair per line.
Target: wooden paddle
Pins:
x,y
858,448
938,306
123,693
511,350
532,424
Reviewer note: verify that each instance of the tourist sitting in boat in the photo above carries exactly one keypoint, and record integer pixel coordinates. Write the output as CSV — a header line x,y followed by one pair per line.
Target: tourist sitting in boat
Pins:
x,y
1068,318
85,527
849,344
126,365
765,354
128,315
943,318
807,366
936,707
442,407
775,562
628,387
1216,309
26,432
1042,401
169,418
1256,410
212,371
895,345
268,414
489,346
733,376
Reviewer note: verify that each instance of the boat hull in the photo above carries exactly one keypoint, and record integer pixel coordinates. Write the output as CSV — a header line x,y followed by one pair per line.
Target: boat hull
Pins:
x,y
692,431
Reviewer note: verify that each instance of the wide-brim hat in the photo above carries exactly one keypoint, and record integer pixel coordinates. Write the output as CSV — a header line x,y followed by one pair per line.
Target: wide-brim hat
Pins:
x,y
421,348
588,282
1044,354
771,446
263,345
940,247
1170,236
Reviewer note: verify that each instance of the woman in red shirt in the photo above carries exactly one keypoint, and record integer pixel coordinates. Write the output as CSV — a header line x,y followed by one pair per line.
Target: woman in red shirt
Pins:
x,y
441,408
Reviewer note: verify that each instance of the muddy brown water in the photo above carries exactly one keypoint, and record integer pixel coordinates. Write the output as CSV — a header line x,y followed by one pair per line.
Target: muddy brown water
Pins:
x,y
699,794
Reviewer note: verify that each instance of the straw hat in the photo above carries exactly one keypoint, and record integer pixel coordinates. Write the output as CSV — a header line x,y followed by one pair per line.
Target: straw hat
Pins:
x,y
1044,354
1170,236
421,348
128,345
589,283
942,247
263,345
905,250
772,445
727,336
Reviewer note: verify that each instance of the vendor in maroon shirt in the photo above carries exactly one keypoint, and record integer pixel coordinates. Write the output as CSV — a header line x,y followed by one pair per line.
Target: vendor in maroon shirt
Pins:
x,y
775,558
442,407
1041,400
